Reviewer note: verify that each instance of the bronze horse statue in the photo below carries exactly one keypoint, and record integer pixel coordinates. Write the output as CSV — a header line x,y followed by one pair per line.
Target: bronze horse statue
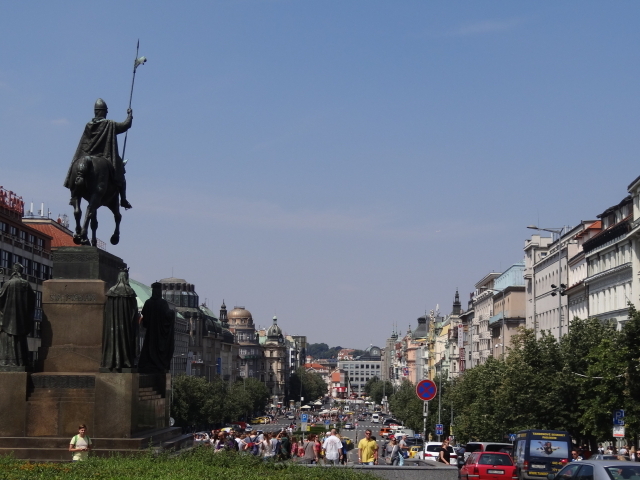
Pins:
x,y
93,181
97,174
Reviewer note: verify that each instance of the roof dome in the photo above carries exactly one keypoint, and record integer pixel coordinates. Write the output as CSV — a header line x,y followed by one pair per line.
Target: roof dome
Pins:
x,y
274,330
240,317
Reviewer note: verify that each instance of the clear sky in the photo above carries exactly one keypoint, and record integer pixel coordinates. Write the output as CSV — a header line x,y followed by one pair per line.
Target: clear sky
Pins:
x,y
342,164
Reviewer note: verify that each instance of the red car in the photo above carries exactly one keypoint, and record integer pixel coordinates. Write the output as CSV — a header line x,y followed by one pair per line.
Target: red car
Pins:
x,y
488,466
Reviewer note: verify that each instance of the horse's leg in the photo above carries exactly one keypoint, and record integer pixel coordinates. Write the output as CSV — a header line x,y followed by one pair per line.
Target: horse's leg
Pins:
x,y
114,206
77,213
94,227
89,212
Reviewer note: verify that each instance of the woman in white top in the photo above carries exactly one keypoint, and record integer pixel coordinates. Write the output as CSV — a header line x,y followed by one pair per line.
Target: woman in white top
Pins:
x,y
265,446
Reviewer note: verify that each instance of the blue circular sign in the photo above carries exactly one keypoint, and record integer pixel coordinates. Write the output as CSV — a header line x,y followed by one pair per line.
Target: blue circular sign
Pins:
x,y
426,390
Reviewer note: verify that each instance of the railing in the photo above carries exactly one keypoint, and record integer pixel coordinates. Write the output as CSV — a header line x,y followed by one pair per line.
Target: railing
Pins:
x,y
485,335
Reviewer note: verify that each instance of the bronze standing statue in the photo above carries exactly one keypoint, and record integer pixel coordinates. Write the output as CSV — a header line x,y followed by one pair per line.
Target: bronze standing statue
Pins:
x,y
97,171
17,306
159,320
119,330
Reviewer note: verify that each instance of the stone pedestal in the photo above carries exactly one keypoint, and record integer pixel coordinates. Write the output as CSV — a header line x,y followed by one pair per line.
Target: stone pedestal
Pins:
x,y
67,387
13,402
86,263
71,329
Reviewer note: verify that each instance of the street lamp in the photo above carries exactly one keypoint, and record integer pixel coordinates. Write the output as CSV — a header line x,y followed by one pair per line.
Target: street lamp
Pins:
x,y
556,289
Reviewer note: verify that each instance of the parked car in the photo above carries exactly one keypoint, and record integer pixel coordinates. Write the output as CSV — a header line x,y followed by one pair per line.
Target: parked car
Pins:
x,y
487,447
598,470
414,441
488,466
540,452
200,438
414,450
432,452
600,456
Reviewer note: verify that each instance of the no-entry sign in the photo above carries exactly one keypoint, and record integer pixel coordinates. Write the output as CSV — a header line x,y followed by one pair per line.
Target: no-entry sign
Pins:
x,y
426,390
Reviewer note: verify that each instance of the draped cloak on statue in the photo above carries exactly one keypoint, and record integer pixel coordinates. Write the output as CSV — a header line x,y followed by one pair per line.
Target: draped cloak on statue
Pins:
x,y
100,138
118,334
17,306
159,320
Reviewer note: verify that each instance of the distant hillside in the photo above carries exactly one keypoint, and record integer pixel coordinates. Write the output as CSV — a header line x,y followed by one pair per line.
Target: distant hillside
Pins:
x,y
322,350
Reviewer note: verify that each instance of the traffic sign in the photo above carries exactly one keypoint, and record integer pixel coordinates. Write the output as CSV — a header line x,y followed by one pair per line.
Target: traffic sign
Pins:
x,y
326,422
304,418
439,429
426,390
512,437
618,431
618,417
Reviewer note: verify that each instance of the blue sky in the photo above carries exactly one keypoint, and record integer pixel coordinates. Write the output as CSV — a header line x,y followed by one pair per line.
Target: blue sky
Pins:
x,y
344,165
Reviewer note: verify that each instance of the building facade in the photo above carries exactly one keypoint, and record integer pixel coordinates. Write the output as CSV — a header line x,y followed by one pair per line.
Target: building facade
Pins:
x,y
362,368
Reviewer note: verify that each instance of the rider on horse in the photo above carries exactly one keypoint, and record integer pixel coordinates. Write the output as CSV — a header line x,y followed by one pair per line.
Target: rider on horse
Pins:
x,y
100,139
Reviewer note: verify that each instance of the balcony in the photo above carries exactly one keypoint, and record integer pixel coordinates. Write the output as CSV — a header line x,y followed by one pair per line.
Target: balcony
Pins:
x,y
475,355
454,356
475,338
485,335
475,321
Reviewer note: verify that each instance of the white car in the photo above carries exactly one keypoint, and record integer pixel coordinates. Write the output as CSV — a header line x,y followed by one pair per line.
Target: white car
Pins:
x,y
432,451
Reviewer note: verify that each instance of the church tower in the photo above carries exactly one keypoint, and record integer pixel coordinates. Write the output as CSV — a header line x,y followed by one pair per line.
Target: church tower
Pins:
x,y
457,306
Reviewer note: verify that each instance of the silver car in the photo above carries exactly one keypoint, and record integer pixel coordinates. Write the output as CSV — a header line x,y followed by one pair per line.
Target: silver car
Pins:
x,y
598,470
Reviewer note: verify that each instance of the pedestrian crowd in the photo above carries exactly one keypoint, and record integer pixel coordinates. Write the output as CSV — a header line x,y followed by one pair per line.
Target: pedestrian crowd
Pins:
x,y
281,445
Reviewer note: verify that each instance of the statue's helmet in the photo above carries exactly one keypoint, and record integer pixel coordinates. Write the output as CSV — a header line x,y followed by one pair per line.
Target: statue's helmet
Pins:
x,y
100,105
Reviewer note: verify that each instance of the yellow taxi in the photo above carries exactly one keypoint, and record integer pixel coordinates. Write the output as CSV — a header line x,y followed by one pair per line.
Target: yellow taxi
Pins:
x,y
413,451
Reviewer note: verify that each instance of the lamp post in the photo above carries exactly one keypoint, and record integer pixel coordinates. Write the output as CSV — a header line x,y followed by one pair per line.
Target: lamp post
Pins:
x,y
561,287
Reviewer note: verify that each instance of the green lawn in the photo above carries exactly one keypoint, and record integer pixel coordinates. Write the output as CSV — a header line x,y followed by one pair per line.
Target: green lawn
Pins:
x,y
198,464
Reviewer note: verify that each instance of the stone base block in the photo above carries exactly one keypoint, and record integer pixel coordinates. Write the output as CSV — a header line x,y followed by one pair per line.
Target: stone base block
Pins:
x,y
13,400
72,325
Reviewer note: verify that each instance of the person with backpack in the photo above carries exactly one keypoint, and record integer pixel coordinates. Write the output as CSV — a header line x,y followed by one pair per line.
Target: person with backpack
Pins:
x,y
80,444
252,444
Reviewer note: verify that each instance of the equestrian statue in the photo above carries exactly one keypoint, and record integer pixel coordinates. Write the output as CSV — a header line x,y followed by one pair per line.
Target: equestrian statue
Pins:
x,y
97,171
97,174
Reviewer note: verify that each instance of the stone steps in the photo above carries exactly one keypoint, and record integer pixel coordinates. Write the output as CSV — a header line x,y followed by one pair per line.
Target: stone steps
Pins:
x,y
52,449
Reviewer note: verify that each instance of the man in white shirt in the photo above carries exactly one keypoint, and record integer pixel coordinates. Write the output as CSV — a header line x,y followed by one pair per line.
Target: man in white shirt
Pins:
x,y
332,447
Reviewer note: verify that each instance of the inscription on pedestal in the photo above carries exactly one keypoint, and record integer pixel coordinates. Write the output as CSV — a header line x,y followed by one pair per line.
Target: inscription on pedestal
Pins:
x,y
72,297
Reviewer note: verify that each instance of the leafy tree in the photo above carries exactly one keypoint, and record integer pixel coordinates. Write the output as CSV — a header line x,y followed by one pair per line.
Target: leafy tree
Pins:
x,y
406,406
630,349
191,403
317,349
197,401
308,384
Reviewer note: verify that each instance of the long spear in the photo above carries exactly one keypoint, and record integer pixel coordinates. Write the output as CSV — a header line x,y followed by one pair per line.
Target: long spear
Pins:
x,y
138,61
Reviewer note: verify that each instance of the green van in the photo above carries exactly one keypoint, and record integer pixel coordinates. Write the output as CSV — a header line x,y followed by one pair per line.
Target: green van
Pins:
x,y
538,453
